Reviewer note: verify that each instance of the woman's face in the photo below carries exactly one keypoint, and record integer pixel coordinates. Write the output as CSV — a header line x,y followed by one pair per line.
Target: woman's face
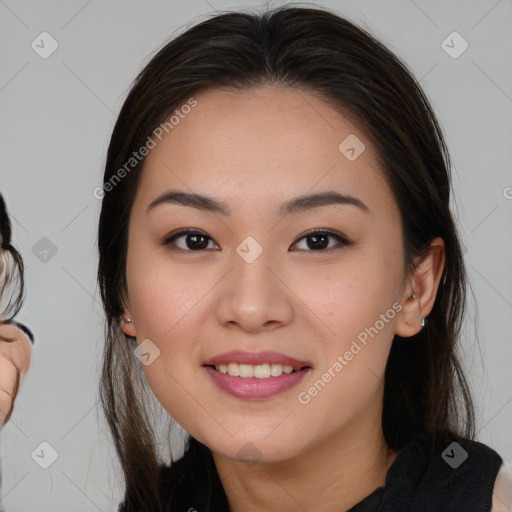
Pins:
x,y
252,281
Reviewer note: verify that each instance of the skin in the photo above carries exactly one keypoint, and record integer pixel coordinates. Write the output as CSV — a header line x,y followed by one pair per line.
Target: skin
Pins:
x,y
254,149
14,355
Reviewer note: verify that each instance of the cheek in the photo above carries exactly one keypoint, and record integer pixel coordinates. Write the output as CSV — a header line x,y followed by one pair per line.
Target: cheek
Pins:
x,y
172,385
351,374
165,301
162,293
354,305
348,297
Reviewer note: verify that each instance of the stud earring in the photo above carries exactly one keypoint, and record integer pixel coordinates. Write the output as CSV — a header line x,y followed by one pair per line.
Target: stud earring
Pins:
x,y
423,320
128,320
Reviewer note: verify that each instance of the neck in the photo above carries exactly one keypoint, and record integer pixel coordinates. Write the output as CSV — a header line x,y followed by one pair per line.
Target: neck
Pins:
x,y
332,475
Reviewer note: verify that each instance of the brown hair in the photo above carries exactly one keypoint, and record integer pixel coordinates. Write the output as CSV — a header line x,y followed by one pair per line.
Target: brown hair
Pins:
x,y
318,51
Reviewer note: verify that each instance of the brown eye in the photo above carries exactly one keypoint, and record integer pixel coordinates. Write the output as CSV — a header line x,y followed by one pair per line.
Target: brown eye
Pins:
x,y
194,241
318,240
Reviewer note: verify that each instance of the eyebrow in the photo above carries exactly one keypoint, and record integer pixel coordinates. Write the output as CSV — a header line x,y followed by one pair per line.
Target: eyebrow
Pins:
x,y
295,205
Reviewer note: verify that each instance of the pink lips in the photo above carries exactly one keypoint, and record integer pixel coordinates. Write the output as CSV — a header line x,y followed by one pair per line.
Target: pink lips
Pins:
x,y
253,387
243,357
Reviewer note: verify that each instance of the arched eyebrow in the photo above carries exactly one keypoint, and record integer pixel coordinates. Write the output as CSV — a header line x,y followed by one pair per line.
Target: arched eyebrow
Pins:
x,y
292,206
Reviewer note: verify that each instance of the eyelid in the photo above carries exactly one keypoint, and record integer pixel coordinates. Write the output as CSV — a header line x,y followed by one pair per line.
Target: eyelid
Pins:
x,y
340,237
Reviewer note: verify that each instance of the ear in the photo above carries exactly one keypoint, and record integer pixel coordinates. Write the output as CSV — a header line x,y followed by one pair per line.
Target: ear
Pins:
x,y
127,327
425,283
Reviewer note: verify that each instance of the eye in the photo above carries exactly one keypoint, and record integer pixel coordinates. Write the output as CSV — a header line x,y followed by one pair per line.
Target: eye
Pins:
x,y
194,240
319,240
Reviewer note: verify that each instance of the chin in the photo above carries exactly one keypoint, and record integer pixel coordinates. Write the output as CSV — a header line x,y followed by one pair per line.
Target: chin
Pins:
x,y
252,451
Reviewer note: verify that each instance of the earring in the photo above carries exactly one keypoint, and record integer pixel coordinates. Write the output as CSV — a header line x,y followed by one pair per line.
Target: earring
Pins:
x,y
128,320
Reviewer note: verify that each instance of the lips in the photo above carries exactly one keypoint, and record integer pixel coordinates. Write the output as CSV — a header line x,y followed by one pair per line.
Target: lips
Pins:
x,y
255,358
253,388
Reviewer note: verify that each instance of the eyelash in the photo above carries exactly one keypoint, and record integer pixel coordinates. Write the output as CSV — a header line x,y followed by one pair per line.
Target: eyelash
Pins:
x,y
343,241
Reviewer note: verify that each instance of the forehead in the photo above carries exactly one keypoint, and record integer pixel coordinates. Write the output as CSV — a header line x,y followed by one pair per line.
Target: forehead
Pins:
x,y
264,142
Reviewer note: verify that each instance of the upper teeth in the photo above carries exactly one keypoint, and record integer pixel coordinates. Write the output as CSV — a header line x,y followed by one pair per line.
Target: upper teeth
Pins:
x,y
261,371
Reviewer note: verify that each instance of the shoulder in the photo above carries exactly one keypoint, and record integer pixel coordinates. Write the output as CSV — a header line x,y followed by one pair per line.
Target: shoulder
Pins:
x,y
449,472
476,470
502,492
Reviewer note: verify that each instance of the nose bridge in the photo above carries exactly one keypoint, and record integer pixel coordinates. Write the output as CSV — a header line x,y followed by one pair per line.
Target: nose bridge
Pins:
x,y
252,266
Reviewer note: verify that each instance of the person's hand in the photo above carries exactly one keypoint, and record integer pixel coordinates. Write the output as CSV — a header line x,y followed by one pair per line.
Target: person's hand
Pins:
x,y
15,351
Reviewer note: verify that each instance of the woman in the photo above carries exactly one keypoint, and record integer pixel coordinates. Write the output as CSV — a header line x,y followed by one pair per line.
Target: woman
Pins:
x,y
15,338
278,259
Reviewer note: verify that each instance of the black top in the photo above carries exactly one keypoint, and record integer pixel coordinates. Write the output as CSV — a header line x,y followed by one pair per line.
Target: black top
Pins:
x,y
453,474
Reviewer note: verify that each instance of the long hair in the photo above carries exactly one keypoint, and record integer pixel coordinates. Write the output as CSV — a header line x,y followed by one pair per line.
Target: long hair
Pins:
x,y
316,51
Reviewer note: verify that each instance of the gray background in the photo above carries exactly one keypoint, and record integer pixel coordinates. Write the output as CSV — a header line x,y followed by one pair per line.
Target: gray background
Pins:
x,y
56,118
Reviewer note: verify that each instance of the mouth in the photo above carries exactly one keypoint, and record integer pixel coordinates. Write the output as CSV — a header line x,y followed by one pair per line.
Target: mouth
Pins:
x,y
262,375
258,382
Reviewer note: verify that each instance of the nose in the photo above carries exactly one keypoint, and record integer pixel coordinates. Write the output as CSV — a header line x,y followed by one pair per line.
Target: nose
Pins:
x,y
255,296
